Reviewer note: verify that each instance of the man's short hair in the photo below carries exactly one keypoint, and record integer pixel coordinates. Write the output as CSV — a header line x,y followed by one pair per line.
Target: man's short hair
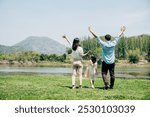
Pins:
x,y
108,37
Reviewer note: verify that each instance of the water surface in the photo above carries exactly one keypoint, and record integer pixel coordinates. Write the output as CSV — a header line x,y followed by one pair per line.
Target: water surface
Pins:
x,y
121,72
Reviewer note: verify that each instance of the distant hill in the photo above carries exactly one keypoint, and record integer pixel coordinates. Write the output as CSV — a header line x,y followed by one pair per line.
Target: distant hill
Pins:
x,y
43,45
3,48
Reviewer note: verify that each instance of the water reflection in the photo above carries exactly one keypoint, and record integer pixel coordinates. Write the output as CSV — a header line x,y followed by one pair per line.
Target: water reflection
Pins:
x,y
121,72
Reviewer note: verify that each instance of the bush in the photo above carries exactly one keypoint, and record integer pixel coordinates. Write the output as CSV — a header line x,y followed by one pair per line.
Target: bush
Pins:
x,y
133,56
99,62
69,50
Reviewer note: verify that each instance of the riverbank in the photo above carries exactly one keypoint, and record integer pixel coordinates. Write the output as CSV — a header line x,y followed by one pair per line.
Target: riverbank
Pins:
x,y
34,64
120,63
27,87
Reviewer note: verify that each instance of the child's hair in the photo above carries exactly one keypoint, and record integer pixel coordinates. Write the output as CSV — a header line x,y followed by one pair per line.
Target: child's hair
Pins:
x,y
108,37
93,59
75,44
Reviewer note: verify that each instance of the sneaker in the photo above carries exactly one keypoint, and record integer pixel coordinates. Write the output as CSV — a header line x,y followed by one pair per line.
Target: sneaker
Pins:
x,y
80,86
106,88
73,86
92,87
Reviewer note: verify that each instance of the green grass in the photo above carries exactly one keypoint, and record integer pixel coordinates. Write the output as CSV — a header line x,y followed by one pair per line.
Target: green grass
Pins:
x,y
25,87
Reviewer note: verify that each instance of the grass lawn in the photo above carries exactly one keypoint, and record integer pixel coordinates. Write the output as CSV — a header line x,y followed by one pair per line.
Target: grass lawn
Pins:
x,y
26,87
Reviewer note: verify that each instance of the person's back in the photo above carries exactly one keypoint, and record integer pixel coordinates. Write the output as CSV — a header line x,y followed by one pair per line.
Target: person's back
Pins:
x,y
108,47
77,54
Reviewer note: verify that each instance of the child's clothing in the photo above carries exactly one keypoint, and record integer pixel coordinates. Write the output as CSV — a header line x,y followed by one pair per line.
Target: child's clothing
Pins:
x,y
91,72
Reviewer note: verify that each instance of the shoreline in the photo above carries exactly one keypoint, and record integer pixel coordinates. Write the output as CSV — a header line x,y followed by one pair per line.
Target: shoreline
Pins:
x,y
121,63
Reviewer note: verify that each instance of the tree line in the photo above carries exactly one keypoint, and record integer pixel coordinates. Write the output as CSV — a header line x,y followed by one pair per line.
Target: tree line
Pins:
x,y
129,48
134,48
32,56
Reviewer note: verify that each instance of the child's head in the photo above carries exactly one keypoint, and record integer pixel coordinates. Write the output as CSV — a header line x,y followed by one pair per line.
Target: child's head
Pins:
x,y
75,43
108,37
93,59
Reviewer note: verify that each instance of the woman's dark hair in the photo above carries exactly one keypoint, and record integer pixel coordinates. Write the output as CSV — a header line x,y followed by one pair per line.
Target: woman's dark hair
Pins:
x,y
93,59
75,44
108,37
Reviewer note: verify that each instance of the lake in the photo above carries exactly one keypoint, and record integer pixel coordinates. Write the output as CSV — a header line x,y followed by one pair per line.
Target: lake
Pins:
x,y
121,71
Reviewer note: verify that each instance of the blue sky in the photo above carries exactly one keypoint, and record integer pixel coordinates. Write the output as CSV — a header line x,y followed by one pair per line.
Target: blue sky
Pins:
x,y
20,19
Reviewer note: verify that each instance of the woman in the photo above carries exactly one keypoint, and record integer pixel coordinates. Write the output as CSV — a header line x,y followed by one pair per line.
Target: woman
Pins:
x,y
77,54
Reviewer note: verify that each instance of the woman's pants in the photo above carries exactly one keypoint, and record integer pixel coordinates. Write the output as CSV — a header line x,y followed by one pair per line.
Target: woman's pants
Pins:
x,y
77,72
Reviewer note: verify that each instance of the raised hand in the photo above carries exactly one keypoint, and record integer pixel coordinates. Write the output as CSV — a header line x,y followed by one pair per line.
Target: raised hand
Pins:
x,y
64,36
89,28
123,28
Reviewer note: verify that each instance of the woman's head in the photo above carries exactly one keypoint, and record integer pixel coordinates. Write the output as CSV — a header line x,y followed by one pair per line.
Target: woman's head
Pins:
x,y
75,44
93,59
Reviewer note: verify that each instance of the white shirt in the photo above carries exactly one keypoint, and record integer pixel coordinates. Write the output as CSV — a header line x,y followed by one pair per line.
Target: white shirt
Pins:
x,y
77,55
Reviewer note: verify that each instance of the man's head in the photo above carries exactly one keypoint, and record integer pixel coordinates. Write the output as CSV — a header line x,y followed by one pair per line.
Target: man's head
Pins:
x,y
108,37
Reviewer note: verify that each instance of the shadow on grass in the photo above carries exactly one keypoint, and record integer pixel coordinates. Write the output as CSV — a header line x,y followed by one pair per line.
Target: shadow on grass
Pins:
x,y
84,87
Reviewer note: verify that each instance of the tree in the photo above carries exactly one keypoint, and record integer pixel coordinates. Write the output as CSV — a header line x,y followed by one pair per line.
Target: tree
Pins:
x,y
69,50
133,56
90,44
121,49
44,57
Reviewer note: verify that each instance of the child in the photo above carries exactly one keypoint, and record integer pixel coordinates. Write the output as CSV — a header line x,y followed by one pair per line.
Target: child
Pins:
x,y
92,70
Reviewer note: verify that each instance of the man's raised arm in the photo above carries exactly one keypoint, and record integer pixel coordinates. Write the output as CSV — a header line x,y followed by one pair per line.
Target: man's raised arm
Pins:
x,y
89,28
122,29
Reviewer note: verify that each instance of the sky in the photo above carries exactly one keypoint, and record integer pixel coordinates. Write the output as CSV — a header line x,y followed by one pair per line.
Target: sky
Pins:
x,y
20,19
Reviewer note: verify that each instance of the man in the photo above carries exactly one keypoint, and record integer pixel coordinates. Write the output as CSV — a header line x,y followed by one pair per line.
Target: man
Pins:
x,y
108,57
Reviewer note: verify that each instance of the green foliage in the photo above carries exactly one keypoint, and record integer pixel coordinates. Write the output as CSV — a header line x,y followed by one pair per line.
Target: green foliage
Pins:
x,y
53,57
69,50
121,49
141,42
91,45
20,56
126,45
99,61
28,56
148,52
44,57
32,56
1,56
133,56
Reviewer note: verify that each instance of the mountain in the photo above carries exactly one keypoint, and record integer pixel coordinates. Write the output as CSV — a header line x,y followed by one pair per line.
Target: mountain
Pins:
x,y
43,45
3,48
